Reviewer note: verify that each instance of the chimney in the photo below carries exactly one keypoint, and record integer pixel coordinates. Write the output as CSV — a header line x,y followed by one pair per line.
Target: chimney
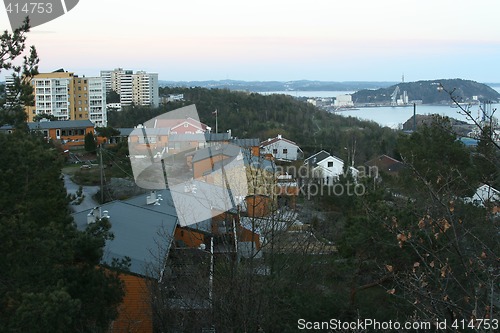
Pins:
x,y
93,215
151,199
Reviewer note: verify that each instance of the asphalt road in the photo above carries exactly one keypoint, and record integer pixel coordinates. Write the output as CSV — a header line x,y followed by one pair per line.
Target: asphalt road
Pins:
x,y
88,191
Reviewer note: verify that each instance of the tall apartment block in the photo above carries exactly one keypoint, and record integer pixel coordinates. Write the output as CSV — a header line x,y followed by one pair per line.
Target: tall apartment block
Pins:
x,y
69,97
140,88
145,89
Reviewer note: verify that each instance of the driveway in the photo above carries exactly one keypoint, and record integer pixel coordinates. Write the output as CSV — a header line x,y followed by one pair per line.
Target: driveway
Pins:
x,y
88,191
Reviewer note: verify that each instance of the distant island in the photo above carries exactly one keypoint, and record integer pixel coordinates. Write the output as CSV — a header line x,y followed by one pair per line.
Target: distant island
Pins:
x,y
267,86
366,93
427,92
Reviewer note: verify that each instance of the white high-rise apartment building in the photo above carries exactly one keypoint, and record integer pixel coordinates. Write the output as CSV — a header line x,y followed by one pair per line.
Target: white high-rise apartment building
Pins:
x,y
68,97
145,89
125,88
53,95
97,101
140,88
106,75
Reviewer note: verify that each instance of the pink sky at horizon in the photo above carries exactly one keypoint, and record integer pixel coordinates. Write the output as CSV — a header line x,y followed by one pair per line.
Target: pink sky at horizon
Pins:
x,y
279,40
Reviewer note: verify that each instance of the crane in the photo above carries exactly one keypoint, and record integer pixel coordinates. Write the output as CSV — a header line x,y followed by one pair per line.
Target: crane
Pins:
x,y
394,96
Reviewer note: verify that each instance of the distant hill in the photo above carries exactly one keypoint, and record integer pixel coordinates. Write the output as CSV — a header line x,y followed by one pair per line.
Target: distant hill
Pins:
x,y
253,115
428,93
263,86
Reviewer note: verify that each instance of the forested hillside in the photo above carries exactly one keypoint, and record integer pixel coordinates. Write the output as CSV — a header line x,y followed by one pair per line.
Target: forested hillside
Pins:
x,y
255,115
428,92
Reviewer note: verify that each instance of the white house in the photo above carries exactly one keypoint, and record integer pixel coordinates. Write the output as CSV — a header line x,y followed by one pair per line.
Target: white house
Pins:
x,y
281,149
328,167
484,193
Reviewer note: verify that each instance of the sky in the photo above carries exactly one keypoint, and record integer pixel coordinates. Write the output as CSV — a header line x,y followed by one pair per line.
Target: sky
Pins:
x,y
280,40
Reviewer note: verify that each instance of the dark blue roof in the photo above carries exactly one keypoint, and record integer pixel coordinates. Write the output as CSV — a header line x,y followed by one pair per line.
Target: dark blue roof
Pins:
x,y
141,232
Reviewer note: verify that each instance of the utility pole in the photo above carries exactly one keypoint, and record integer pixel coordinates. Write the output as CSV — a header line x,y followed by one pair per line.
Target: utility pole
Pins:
x,y
102,173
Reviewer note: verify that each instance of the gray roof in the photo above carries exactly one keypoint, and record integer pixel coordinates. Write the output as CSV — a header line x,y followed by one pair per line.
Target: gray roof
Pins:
x,y
125,131
316,158
200,137
246,143
259,163
60,124
217,136
6,128
141,131
224,149
138,230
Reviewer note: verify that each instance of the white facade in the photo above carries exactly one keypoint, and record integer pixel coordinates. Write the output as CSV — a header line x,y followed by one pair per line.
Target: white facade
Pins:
x,y
52,97
113,107
140,88
484,194
328,167
125,88
281,149
343,101
97,101
9,93
106,75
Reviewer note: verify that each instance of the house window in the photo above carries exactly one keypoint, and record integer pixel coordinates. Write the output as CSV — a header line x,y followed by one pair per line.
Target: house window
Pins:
x,y
285,151
275,151
330,164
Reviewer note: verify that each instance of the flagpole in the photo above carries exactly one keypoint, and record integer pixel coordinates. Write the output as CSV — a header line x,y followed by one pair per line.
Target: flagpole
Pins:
x,y
216,124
